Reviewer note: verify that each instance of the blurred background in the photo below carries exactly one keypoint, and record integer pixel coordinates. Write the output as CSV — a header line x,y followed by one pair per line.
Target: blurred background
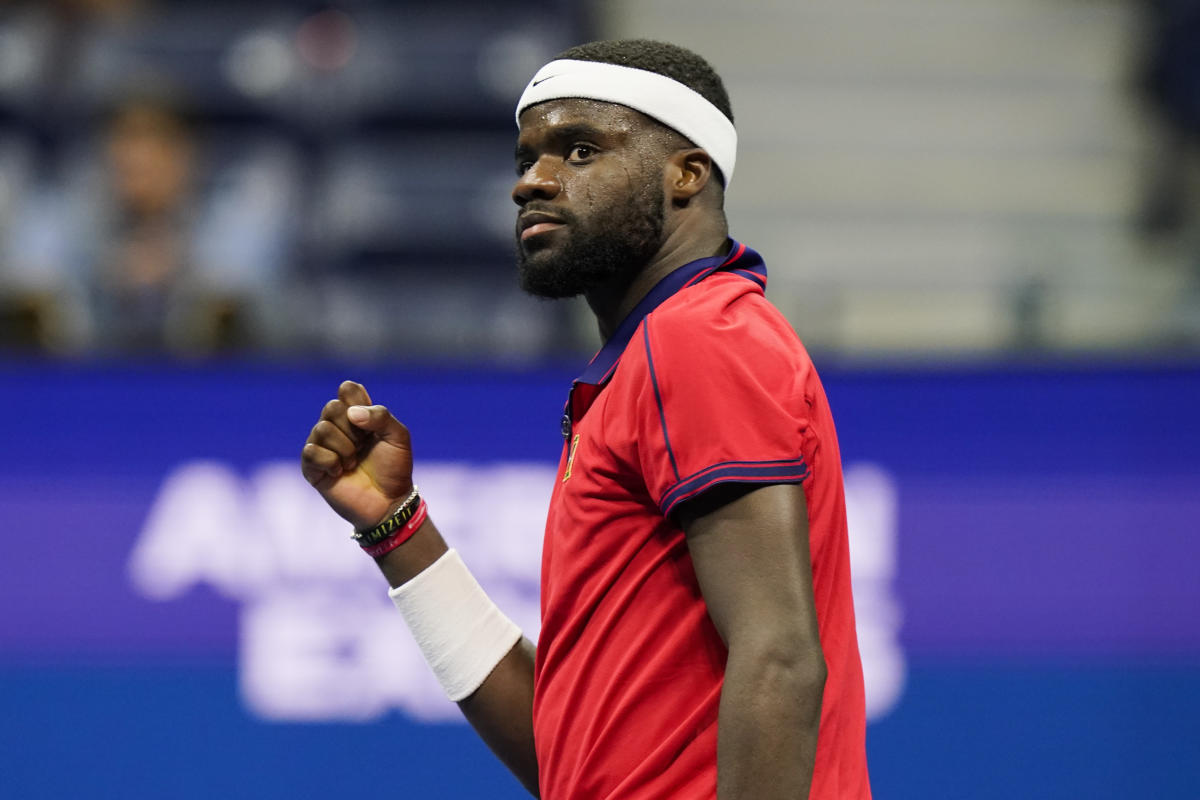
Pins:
x,y
982,217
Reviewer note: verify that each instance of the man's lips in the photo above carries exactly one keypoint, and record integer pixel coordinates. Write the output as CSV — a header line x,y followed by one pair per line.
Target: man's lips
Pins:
x,y
539,227
533,223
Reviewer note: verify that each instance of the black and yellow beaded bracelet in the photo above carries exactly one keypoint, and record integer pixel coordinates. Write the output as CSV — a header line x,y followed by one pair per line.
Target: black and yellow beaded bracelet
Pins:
x,y
394,521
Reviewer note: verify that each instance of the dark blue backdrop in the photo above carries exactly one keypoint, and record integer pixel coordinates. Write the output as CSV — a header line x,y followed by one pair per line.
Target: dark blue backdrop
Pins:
x,y
1049,531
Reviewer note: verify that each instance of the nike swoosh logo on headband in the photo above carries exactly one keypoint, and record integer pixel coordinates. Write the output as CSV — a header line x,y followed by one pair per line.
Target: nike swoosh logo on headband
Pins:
x,y
543,80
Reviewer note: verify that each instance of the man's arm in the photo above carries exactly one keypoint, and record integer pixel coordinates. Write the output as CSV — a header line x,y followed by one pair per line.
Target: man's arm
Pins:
x,y
361,463
751,555
501,709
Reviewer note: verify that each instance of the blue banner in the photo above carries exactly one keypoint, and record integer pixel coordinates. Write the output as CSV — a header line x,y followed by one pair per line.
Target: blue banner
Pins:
x,y
183,617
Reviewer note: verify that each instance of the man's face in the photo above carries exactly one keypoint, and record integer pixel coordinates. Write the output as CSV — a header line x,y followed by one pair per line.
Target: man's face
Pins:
x,y
590,190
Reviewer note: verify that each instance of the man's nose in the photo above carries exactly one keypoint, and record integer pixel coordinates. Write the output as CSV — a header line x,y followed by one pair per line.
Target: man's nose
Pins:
x,y
539,182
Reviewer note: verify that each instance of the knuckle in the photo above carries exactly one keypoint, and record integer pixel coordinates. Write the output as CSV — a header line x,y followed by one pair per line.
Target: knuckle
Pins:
x,y
351,389
310,462
330,435
333,408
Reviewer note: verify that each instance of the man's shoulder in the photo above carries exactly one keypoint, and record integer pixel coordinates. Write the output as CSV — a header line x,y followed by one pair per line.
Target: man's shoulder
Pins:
x,y
723,312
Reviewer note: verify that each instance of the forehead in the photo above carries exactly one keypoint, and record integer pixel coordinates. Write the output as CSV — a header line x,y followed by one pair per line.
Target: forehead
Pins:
x,y
606,118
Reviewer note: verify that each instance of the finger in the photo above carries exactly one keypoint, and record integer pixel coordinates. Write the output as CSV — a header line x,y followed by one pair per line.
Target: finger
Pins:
x,y
353,394
335,412
379,421
331,437
318,464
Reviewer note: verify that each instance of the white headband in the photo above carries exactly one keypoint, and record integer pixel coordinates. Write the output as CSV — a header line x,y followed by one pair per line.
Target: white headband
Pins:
x,y
657,96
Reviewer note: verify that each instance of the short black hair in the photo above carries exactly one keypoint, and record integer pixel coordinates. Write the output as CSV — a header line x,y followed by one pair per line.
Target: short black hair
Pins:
x,y
677,63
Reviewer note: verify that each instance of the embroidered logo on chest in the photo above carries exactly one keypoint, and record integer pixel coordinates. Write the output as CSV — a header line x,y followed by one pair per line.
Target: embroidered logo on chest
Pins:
x,y
571,458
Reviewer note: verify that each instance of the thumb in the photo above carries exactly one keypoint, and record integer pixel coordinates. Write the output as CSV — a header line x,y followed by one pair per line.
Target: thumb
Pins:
x,y
379,421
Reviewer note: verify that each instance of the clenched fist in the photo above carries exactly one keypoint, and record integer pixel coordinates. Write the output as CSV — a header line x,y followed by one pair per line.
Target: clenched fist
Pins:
x,y
359,457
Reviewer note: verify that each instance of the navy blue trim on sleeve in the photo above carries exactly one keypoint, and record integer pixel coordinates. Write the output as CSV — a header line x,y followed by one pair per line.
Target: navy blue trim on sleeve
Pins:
x,y
662,417
789,471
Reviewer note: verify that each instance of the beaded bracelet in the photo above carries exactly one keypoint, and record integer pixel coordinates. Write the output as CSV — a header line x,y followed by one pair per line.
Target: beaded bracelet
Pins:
x,y
393,523
401,536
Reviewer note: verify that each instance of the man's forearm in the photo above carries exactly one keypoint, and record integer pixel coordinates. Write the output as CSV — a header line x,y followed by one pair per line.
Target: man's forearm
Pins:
x,y
501,709
409,559
767,730
501,712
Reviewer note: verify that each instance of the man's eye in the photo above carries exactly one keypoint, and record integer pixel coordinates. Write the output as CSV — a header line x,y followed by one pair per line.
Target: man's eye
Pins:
x,y
581,152
523,167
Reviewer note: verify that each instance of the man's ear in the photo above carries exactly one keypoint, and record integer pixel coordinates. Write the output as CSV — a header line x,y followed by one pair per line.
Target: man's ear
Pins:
x,y
688,172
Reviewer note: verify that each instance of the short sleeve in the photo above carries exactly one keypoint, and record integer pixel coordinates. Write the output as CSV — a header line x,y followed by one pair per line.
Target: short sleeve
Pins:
x,y
729,402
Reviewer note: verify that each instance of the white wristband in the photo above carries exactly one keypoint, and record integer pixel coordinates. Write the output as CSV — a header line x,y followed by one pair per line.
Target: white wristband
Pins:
x,y
460,631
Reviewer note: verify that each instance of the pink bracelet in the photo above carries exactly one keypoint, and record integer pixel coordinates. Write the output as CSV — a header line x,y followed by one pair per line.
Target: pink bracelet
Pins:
x,y
402,535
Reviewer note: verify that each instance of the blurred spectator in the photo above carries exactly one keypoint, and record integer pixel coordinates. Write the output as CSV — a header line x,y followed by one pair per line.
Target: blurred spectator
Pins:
x,y
1172,83
131,251
130,226
1170,210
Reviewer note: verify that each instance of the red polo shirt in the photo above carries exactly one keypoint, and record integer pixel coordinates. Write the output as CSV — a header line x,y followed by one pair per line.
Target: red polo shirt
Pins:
x,y
704,383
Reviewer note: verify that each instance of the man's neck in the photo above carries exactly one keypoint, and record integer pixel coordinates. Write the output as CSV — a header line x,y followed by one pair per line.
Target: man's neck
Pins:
x,y
612,304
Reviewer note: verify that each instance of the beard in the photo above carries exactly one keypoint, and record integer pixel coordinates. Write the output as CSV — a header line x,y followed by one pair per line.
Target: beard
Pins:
x,y
608,249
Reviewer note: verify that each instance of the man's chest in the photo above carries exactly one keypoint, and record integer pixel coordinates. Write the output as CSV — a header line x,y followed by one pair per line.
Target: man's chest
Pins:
x,y
602,518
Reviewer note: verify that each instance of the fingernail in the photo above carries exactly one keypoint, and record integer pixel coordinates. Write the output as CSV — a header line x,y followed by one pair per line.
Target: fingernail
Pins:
x,y
357,414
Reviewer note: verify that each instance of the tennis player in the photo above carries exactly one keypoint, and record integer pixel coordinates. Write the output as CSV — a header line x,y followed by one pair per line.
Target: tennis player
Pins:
x,y
697,634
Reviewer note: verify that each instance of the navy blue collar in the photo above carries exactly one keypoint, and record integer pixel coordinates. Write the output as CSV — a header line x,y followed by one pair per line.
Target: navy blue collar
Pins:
x,y
741,259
